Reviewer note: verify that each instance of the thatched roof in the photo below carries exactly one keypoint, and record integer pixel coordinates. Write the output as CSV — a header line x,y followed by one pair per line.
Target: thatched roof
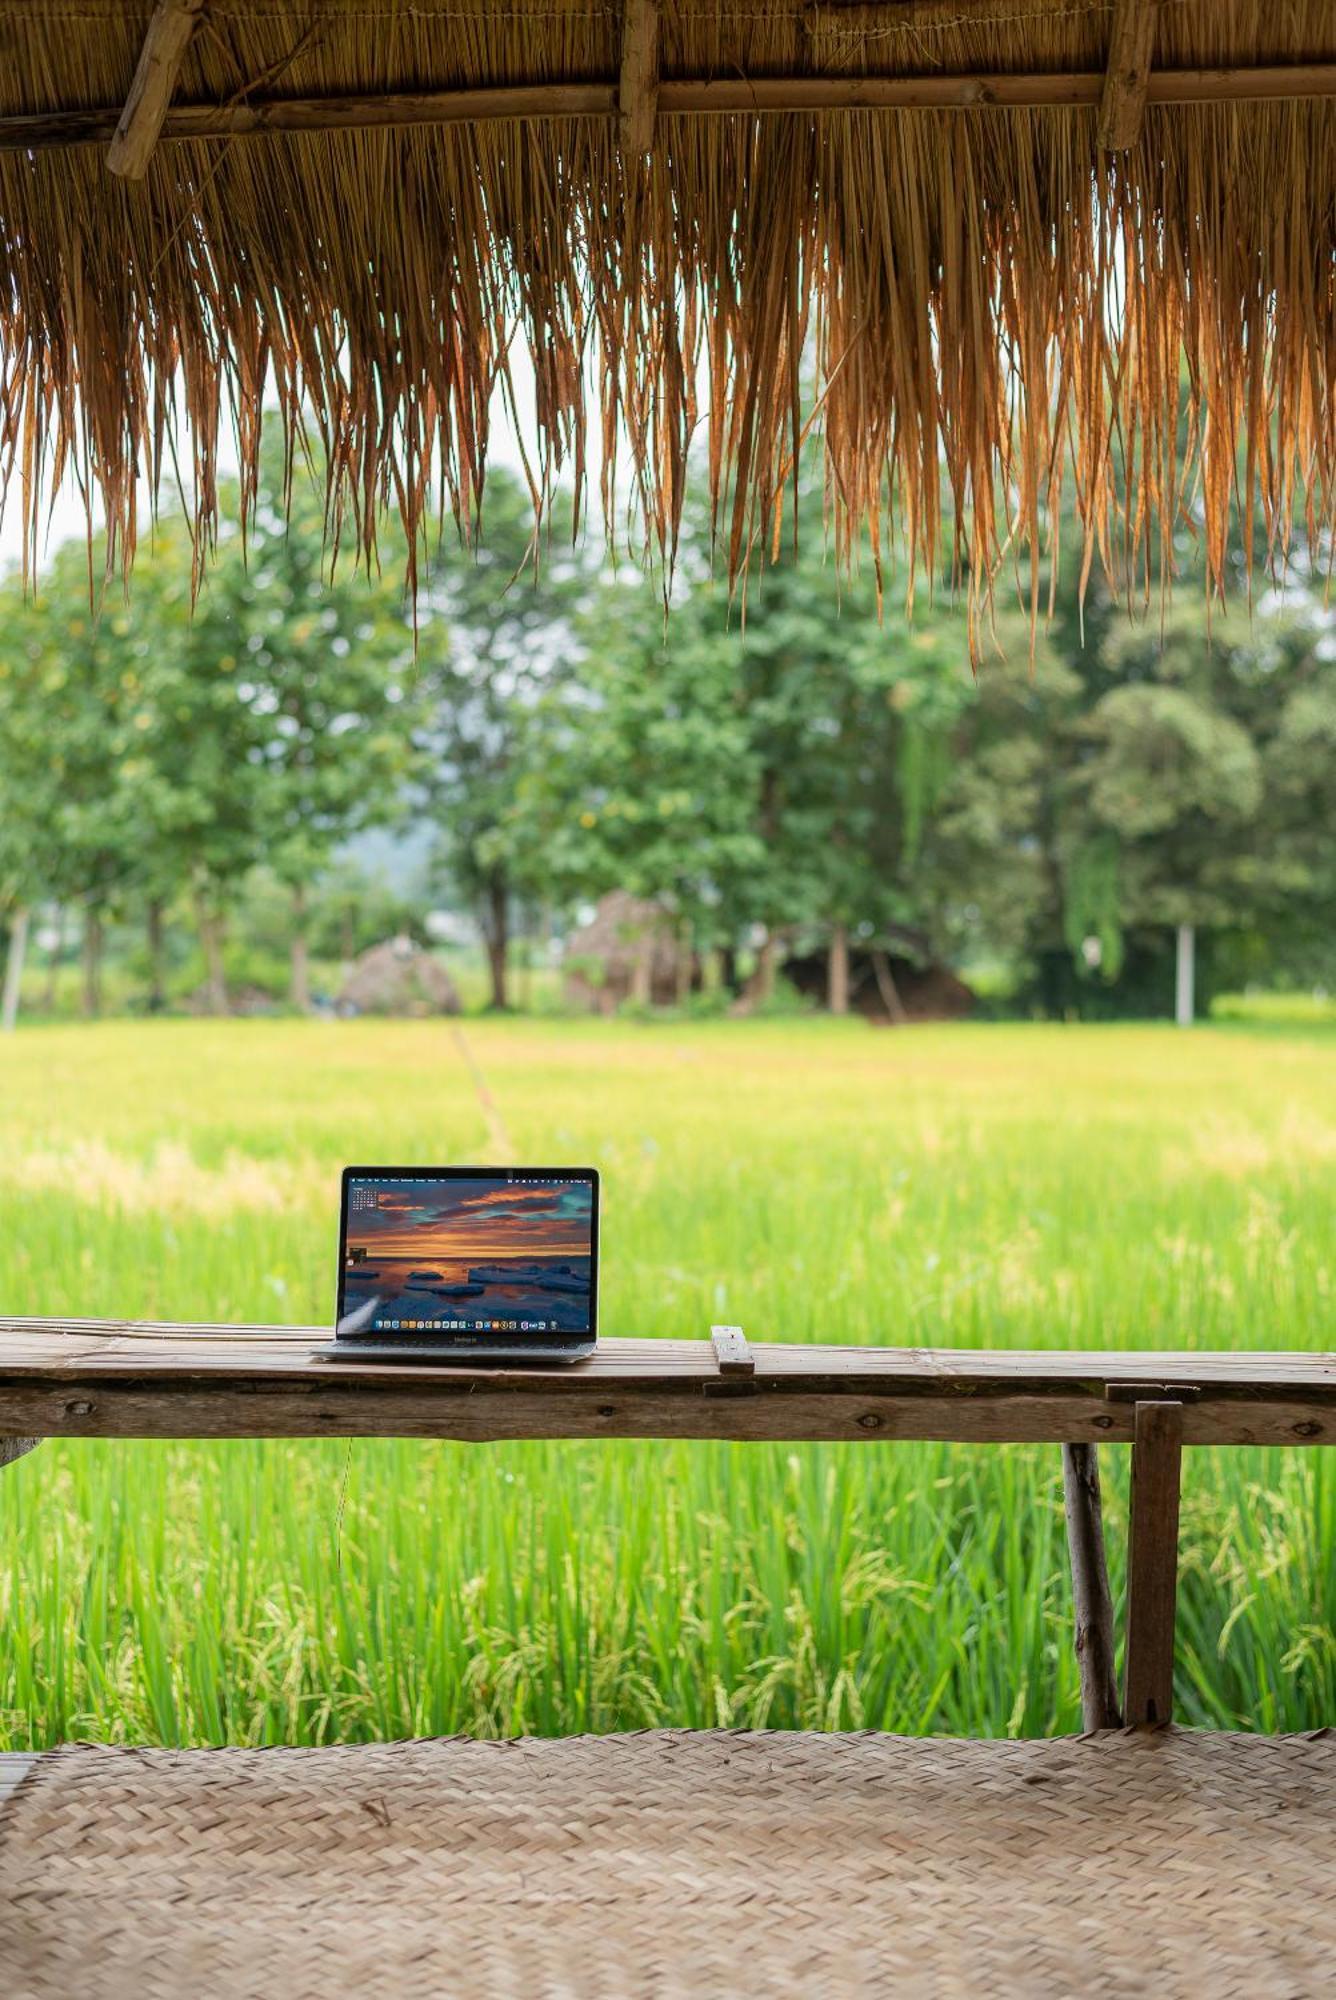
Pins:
x,y
625,937
618,927
682,215
398,977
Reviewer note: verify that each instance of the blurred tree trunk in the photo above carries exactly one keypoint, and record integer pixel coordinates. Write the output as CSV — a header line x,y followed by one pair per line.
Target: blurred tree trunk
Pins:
x,y
837,979
299,991
685,966
526,961
496,931
92,965
210,927
767,965
55,958
889,991
14,956
157,958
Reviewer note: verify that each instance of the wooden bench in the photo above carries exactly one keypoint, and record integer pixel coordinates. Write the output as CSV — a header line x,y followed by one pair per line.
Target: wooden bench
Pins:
x,y
133,1379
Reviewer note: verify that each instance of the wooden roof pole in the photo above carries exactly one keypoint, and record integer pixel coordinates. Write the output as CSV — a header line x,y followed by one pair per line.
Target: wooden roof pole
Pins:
x,y
1273,83
1127,73
165,44
638,90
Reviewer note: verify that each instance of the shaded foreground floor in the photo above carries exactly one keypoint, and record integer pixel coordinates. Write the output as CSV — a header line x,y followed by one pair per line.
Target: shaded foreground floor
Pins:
x,y
675,1863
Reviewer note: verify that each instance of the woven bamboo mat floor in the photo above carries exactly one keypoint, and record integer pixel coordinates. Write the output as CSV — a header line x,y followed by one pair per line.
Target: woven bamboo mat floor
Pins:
x,y
675,1863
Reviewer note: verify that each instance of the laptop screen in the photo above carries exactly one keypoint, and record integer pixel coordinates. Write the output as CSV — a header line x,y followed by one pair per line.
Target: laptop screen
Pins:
x,y
439,1254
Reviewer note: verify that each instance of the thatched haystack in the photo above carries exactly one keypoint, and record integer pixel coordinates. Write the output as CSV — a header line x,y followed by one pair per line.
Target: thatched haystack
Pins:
x,y
886,987
628,950
1001,234
398,977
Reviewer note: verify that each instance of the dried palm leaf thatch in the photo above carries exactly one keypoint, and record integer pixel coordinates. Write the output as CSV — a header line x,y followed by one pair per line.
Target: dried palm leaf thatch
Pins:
x,y
967,306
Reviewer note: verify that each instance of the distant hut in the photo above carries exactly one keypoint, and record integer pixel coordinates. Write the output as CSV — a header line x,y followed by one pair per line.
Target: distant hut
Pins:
x,y
398,977
629,950
905,983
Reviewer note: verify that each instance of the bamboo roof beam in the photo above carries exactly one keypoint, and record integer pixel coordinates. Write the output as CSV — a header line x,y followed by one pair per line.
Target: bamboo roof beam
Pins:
x,y
638,91
140,124
1127,74
878,20
728,96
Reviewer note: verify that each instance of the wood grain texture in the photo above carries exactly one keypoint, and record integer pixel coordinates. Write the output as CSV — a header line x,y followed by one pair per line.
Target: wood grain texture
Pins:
x,y
136,1379
685,96
1152,1564
732,1351
638,90
1127,76
138,128
1091,1597
12,1448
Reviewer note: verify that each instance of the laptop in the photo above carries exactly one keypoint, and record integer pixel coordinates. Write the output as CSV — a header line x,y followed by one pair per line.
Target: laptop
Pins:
x,y
468,1264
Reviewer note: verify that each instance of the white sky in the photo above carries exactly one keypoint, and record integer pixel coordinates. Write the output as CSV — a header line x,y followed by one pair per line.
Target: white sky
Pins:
x,y
67,521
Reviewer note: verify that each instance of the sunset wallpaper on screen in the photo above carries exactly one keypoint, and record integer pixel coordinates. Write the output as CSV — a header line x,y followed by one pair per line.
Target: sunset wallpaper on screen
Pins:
x,y
468,1255
461,1222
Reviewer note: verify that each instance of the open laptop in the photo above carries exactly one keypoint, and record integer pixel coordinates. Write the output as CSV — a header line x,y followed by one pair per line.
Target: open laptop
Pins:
x,y
470,1264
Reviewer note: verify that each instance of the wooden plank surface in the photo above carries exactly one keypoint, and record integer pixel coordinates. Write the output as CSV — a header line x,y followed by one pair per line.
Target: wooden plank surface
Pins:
x,y
1152,1563
731,1351
90,1378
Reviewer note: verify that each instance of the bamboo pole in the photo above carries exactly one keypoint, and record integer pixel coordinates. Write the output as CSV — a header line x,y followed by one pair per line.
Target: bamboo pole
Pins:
x,y
876,21
683,97
1127,77
1092,1599
638,91
137,129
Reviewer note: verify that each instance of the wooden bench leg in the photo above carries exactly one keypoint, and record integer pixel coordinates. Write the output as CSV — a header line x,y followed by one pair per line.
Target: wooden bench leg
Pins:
x,y
1152,1563
12,1448
1090,1587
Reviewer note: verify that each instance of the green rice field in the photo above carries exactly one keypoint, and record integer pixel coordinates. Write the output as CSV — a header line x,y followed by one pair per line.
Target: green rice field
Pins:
x,y
990,1185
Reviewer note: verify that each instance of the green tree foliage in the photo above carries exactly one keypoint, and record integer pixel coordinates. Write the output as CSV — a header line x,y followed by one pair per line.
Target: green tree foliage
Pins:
x,y
1169,774
335,699
808,769
509,607
152,749
72,722
766,771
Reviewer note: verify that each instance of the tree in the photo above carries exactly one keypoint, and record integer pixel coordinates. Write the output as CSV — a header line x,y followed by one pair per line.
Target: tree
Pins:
x,y
280,713
1290,871
336,696
28,857
637,775
508,613
761,773
70,718
1106,805
992,862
